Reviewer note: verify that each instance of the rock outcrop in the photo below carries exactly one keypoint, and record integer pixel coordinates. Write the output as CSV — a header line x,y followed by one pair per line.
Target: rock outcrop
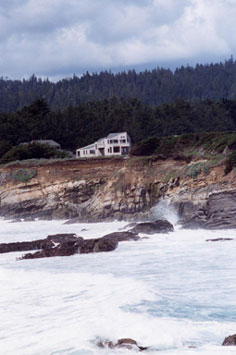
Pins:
x,y
25,246
116,189
159,226
79,190
219,239
230,340
68,244
124,343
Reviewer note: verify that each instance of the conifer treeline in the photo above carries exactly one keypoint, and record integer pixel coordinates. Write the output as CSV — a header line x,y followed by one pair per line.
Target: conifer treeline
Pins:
x,y
78,126
211,81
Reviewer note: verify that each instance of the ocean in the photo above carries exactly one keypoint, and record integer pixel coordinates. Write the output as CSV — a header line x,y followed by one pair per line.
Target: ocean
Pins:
x,y
175,293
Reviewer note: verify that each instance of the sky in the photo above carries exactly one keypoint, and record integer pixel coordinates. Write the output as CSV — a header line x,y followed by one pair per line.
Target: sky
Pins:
x,y
58,38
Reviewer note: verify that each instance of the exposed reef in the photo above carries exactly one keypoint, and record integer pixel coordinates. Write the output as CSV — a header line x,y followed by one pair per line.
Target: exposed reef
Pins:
x,y
69,243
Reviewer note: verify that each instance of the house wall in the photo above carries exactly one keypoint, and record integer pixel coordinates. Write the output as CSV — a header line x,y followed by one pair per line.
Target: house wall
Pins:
x,y
109,146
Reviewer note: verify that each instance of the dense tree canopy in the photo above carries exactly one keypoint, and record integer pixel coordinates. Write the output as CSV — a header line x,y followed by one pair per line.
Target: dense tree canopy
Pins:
x,y
80,125
156,87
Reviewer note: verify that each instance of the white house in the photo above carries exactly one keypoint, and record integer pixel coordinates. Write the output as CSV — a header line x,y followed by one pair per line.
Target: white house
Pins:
x,y
113,144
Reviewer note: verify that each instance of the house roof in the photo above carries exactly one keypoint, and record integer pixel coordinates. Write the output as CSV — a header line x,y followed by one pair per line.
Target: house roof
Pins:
x,y
101,139
87,147
111,135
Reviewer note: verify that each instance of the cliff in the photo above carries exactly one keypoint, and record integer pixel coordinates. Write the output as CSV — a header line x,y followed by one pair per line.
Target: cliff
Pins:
x,y
108,189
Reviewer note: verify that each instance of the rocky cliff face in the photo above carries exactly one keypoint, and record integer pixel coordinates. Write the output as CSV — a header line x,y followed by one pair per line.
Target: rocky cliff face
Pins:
x,y
107,189
208,201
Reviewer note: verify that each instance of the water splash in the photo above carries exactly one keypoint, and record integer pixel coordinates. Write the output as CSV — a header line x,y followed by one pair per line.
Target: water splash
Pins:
x,y
164,210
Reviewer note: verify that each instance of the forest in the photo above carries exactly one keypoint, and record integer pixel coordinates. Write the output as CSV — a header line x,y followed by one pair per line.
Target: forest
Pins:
x,y
156,87
80,125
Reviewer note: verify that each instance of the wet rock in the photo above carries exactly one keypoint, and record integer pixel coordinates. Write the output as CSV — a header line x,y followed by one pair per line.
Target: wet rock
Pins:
x,y
210,210
124,343
68,244
64,249
159,226
230,340
107,243
122,236
62,237
16,220
25,246
98,245
130,225
219,239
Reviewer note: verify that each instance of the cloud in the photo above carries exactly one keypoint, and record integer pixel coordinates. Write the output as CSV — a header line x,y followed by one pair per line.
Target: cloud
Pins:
x,y
57,38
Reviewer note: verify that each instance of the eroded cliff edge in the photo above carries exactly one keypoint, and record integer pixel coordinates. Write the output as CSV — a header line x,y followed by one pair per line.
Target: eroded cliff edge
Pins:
x,y
108,189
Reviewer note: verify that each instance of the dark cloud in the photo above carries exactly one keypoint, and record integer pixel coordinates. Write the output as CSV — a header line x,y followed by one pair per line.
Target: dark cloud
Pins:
x,y
57,37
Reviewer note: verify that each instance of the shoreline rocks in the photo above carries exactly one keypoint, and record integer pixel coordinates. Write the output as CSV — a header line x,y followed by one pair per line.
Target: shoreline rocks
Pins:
x,y
219,239
68,244
230,341
159,226
206,208
124,343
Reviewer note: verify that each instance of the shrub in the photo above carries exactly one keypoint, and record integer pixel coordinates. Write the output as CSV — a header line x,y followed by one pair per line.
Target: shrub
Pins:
x,y
23,175
146,147
32,151
230,162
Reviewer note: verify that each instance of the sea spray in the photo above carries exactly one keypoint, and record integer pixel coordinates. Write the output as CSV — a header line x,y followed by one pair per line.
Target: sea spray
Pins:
x,y
164,210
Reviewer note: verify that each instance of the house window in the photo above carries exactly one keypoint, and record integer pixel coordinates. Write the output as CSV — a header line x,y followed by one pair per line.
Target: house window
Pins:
x,y
112,141
123,141
92,151
116,149
124,150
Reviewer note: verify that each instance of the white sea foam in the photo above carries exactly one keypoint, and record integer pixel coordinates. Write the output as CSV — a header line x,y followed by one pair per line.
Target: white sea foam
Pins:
x,y
163,210
168,292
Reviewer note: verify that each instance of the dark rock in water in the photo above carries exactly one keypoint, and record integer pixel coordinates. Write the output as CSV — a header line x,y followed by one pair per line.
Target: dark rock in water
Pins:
x,y
62,238
68,244
24,246
122,236
130,344
47,243
125,343
230,340
98,245
219,239
107,243
64,249
159,226
130,225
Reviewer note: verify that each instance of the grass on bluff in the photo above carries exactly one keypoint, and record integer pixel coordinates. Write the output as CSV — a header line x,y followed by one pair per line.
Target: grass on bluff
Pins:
x,y
204,145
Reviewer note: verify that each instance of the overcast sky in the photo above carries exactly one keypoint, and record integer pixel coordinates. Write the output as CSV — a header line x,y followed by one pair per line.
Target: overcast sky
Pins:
x,y
56,38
